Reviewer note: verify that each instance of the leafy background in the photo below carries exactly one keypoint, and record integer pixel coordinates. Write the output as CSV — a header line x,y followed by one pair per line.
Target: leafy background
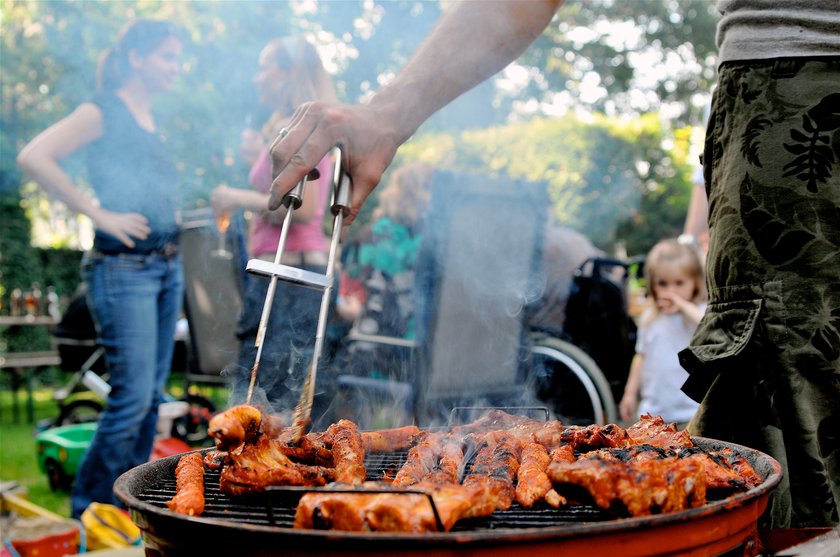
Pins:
x,y
605,107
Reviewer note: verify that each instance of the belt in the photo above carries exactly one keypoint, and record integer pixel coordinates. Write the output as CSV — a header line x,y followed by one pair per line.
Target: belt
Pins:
x,y
298,258
168,250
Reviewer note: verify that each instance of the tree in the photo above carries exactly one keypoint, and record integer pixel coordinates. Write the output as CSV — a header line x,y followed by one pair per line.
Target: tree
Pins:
x,y
50,50
607,178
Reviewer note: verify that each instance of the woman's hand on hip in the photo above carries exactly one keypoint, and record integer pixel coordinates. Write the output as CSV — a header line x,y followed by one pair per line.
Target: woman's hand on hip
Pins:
x,y
123,226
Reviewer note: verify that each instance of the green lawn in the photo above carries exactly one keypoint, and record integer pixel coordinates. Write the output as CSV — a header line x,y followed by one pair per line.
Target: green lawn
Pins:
x,y
18,460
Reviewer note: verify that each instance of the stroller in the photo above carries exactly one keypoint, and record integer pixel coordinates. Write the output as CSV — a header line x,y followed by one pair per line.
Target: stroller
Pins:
x,y
75,337
83,397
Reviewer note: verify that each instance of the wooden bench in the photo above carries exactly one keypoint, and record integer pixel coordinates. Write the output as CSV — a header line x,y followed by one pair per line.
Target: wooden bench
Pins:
x,y
22,366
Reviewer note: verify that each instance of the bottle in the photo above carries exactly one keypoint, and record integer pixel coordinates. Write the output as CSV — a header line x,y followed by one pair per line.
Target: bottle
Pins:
x,y
32,300
52,303
16,302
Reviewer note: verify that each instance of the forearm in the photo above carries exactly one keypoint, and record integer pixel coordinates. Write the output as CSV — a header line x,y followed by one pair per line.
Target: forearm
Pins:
x,y
50,176
692,312
41,157
473,41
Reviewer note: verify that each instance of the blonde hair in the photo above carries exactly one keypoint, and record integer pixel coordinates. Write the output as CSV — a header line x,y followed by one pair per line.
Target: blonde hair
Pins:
x,y
674,253
407,194
309,80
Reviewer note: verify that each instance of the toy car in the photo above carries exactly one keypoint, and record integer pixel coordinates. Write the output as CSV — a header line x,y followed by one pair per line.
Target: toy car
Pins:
x,y
60,452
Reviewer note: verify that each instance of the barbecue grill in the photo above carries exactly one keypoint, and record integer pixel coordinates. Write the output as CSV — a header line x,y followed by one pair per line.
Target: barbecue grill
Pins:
x,y
261,524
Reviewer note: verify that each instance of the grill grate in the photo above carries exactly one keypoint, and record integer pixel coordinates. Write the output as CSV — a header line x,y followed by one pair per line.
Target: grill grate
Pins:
x,y
276,507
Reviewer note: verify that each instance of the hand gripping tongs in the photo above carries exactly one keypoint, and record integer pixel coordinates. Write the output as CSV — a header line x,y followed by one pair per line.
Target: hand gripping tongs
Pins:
x,y
340,208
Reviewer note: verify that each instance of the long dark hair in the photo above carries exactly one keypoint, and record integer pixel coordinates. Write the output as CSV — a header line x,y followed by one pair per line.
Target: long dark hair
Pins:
x,y
143,36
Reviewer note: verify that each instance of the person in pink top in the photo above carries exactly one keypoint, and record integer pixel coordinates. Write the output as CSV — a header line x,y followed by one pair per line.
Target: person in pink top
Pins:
x,y
290,72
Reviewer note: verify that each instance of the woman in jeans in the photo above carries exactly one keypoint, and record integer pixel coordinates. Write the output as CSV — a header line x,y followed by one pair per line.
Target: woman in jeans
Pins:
x,y
133,273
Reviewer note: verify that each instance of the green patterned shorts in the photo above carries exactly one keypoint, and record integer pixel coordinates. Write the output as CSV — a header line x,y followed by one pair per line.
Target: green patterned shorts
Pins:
x,y
765,360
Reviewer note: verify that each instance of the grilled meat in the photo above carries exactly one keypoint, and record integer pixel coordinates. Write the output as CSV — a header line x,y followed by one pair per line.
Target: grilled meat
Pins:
x,y
648,468
642,487
235,426
493,471
255,466
386,512
724,469
532,483
189,486
348,455
652,430
595,436
390,440
421,460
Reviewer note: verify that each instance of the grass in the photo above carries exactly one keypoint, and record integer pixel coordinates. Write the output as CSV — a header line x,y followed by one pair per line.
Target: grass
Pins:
x,y
18,458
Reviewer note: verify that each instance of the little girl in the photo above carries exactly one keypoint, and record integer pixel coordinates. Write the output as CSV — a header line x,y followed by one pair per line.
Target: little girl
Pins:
x,y
675,284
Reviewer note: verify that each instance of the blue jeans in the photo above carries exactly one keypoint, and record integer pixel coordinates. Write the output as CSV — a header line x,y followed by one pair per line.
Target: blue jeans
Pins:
x,y
135,301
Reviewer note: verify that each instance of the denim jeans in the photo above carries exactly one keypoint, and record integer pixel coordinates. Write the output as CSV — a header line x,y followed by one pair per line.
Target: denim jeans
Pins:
x,y
135,301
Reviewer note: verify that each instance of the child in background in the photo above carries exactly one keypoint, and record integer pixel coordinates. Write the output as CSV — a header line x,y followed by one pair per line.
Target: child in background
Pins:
x,y
675,284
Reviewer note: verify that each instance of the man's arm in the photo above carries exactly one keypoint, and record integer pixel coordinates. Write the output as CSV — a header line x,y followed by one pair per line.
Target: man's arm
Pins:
x,y
472,42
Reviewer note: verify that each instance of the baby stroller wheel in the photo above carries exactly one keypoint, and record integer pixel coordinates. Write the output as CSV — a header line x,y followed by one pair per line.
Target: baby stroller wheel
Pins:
x,y
192,427
79,411
58,478
571,383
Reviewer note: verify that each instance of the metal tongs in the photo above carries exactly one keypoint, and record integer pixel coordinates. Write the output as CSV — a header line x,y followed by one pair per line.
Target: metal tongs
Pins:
x,y
340,208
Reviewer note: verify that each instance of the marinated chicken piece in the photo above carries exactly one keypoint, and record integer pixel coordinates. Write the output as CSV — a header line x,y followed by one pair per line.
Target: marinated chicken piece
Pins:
x,y
235,426
189,486
565,453
723,469
335,511
493,471
550,435
348,454
390,440
532,483
386,512
643,487
214,460
255,466
492,421
421,460
652,430
449,467
595,436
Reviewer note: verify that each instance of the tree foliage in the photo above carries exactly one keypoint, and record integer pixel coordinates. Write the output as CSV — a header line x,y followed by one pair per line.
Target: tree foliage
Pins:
x,y
603,176
49,53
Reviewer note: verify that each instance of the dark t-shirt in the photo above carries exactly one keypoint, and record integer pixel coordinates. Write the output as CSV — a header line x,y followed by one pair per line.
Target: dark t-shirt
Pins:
x,y
131,171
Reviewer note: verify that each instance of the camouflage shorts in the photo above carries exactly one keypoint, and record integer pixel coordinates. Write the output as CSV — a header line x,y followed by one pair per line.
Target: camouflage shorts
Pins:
x,y
765,360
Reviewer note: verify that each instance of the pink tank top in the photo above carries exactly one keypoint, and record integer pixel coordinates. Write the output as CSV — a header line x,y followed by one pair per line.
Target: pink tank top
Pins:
x,y
302,236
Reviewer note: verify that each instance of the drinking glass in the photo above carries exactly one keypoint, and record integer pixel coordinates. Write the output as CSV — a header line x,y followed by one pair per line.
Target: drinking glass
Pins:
x,y
222,225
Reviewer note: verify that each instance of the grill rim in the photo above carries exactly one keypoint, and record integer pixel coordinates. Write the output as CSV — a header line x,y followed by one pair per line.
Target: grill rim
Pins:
x,y
151,518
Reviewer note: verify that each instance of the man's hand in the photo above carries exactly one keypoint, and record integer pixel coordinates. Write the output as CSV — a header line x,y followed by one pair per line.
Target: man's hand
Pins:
x,y
364,135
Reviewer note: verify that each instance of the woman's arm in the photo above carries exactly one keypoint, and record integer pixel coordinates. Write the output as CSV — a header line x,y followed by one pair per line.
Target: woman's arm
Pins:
x,y
41,160
225,198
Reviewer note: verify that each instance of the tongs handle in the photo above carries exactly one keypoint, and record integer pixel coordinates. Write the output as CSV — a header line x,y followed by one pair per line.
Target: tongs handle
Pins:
x,y
291,201
342,194
294,197
342,188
